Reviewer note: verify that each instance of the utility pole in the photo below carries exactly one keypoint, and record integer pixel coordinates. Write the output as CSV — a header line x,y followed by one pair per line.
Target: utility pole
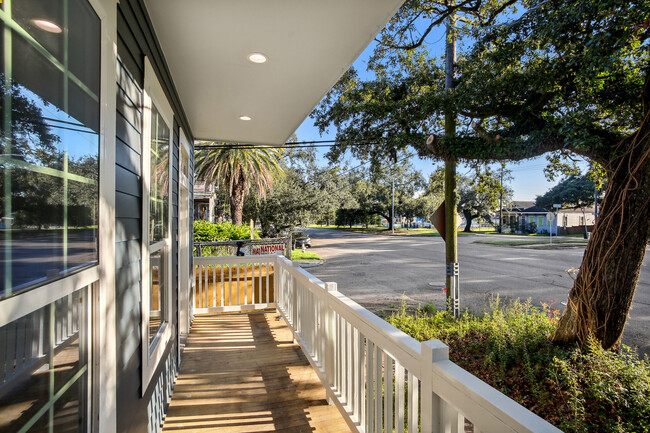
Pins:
x,y
451,232
392,206
501,201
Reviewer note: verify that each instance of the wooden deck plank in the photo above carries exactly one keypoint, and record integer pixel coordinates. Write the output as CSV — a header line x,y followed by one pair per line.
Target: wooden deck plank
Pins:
x,y
243,373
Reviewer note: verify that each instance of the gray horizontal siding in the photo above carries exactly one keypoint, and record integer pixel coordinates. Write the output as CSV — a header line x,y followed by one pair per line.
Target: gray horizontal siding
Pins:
x,y
136,40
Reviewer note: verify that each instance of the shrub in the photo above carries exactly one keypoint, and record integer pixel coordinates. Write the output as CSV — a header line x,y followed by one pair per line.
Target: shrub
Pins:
x,y
216,232
590,390
606,391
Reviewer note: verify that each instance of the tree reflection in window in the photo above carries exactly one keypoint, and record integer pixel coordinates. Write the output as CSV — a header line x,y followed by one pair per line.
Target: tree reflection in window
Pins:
x,y
158,221
50,143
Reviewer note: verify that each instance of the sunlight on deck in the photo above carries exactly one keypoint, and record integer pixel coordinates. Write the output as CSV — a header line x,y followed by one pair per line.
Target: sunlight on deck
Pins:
x,y
243,373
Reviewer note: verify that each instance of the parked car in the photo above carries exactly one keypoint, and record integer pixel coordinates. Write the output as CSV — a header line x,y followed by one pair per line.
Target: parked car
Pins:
x,y
300,239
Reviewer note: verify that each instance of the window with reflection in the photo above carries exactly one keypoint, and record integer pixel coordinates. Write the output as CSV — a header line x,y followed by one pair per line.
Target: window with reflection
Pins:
x,y
49,97
158,222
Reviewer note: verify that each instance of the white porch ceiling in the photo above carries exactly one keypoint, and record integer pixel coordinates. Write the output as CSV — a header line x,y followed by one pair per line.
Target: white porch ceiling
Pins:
x,y
309,45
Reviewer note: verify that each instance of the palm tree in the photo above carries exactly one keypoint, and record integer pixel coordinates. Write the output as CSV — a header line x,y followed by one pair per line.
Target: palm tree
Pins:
x,y
237,170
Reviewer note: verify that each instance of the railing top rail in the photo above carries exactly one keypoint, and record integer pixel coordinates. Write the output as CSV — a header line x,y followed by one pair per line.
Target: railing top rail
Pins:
x,y
243,241
302,275
480,402
483,404
235,260
393,341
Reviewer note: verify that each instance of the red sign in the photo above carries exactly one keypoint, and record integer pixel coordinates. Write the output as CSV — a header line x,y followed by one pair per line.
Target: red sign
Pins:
x,y
257,250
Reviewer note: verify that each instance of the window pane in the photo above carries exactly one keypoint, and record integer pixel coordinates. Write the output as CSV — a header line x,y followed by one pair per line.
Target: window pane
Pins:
x,y
44,367
159,177
48,165
157,292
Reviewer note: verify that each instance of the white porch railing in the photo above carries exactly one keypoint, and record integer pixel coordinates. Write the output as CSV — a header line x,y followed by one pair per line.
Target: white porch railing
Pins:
x,y
228,283
381,379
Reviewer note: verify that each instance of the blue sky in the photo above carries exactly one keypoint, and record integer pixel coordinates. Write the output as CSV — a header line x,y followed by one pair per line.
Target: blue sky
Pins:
x,y
529,180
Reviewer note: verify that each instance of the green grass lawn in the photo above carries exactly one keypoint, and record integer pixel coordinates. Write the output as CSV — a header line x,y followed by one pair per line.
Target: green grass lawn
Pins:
x,y
545,241
308,255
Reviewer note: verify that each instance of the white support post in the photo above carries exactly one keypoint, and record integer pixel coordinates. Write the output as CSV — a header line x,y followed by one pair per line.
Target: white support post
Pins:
x,y
331,346
294,304
433,419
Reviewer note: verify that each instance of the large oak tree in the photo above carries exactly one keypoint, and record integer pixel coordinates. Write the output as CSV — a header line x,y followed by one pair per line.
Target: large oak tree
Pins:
x,y
562,79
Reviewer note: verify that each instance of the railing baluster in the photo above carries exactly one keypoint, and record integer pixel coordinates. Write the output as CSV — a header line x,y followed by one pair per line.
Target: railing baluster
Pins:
x,y
69,323
214,286
239,300
362,379
413,403
388,393
349,378
399,398
343,385
268,277
223,291
11,348
258,292
4,361
337,374
230,285
29,338
370,386
206,287
246,285
197,286
321,334
378,388
20,343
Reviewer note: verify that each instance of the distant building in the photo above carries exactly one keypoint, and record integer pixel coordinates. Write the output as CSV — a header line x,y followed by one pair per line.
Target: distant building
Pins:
x,y
205,201
524,217
573,221
522,214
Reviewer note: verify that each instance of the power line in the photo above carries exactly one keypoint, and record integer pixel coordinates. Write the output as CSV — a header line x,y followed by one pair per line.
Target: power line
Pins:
x,y
288,145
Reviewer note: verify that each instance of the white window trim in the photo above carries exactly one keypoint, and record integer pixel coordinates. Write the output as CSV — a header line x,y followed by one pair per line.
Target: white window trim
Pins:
x,y
185,283
184,178
153,354
103,389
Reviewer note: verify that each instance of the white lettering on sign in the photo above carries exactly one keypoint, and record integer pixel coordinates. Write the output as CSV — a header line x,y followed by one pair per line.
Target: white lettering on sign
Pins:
x,y
257,250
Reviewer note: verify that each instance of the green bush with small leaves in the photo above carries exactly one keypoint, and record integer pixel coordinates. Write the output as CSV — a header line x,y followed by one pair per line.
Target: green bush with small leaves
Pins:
x,y
205,231
578,390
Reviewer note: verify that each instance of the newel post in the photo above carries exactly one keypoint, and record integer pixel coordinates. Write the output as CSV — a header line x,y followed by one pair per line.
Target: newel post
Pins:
x,y
297,323
331,344
432,405
278,287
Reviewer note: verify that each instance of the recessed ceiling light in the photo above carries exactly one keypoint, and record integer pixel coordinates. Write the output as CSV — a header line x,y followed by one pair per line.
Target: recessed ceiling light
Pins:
x,y
244,118
46,25
257,58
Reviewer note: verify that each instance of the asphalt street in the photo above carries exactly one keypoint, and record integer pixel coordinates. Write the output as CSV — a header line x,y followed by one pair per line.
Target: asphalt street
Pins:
x,y
379,271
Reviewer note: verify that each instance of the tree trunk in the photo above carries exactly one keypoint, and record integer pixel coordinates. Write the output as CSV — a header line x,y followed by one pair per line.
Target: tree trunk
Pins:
x,y
604,288
468,221
389,219
237,206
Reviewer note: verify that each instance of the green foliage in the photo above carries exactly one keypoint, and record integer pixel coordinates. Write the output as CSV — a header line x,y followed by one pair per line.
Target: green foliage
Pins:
x,y
606,391
572,192
216,232
308,255
579,390
236,170
507,332
563,77
289,205
478,196
373,190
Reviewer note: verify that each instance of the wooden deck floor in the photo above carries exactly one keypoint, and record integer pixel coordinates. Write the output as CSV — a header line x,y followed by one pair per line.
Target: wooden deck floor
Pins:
x,y
243,373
